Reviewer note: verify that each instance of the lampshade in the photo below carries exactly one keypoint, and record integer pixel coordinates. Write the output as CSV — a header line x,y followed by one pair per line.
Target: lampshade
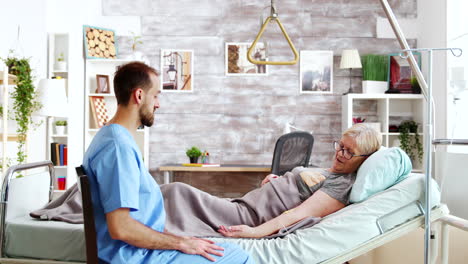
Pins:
x,y
350,59
51,95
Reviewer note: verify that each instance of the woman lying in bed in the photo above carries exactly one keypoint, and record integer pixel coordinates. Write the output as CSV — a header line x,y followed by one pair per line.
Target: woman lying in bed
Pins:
x,y
280,202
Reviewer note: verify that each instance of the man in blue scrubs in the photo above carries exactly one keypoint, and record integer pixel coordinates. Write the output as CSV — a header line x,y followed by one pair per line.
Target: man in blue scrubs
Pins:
x,y
128,204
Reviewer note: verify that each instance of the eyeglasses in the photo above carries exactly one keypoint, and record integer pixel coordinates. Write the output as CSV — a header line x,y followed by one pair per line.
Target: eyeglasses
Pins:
x,y
344,152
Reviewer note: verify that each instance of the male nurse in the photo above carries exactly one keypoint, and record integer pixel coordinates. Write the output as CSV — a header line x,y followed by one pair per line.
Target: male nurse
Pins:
x,y
128,204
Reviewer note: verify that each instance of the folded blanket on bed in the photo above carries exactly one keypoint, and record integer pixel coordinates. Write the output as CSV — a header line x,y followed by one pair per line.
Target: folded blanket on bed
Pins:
x,y
67,208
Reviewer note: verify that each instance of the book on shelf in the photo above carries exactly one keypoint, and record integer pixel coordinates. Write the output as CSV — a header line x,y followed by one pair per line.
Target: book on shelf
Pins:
x,y
58,154
65,155
61,153
53,153
201,164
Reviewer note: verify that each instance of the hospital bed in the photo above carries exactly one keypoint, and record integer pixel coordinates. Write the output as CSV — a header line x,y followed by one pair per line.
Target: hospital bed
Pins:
x,y
339,237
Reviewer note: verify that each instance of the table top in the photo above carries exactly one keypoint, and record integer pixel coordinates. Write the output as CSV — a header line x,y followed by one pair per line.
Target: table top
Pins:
x,y
223,168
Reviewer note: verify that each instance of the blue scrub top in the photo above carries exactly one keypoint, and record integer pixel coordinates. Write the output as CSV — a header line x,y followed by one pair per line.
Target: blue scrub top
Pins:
x,y
119,179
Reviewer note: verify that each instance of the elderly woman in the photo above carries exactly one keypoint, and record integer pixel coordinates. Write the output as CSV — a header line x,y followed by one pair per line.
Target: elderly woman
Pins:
x,y
280,202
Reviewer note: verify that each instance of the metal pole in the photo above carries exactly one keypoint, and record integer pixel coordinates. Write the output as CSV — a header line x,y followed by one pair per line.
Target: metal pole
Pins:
x,y
419,76
427,219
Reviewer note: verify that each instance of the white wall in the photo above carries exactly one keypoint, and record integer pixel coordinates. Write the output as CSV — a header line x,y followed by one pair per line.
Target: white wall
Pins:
x,y
29,15
432,19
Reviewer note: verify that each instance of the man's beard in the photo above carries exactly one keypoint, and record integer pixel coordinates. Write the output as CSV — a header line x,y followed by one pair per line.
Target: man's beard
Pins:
x,y
146,117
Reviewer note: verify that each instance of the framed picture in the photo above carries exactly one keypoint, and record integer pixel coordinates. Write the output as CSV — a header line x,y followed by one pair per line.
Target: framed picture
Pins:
x,y
316,71
400,76
237,63
103,85
99,43
99,111
176,70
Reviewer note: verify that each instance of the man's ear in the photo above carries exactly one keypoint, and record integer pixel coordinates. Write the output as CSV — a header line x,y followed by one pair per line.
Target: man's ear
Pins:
x,y
137,95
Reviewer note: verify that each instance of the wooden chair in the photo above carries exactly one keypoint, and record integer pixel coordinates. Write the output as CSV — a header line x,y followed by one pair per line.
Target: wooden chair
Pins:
x,y
88,215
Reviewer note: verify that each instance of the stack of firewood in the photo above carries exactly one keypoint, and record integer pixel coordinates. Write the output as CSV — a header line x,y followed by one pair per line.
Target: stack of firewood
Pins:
x,y
100,43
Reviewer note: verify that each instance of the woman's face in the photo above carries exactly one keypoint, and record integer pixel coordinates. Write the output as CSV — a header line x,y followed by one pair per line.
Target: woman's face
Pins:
x,y
343,165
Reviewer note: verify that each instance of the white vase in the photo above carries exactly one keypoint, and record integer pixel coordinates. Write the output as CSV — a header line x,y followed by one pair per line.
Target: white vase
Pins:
x,y
374,87
60,130
61,66
138,55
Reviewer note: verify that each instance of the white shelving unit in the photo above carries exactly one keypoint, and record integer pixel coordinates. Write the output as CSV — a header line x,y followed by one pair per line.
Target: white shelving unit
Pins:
x,y
58,46
386,109
107,67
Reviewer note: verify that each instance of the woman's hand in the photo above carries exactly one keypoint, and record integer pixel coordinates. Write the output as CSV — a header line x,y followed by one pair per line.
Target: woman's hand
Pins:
x,y
268,178
238,231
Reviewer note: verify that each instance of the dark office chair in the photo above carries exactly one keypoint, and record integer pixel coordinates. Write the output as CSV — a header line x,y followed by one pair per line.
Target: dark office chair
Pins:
x,y
88,216
292,150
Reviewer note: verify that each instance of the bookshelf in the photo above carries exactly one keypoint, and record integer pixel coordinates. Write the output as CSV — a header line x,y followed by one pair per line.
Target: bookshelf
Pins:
x,y
57,68
106,67
385,110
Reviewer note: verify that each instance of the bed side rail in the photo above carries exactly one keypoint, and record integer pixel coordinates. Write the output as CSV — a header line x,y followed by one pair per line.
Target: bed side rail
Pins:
x,y
5,191
384,223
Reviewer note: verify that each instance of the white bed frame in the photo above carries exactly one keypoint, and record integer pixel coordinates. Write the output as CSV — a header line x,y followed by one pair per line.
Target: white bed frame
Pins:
x,y
440,213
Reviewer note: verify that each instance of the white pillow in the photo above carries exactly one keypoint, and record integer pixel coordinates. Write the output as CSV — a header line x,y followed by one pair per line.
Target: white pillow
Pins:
x,y
381,170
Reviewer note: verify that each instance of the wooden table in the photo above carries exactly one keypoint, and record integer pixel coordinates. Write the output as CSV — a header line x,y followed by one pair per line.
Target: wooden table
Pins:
x,y
169,170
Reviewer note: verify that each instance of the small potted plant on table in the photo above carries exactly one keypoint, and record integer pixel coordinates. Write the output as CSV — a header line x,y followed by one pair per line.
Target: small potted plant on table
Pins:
x,y
193,153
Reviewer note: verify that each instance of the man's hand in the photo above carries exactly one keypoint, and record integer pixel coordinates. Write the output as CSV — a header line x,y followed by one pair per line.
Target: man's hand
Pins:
x,y
238,231
268,178
199,246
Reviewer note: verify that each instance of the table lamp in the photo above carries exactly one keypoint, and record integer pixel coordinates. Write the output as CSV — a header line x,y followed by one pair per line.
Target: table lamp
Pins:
x,y
350,59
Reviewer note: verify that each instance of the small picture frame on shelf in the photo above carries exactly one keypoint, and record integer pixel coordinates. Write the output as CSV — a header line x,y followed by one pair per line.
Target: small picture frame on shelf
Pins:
x,y
316,71
103,84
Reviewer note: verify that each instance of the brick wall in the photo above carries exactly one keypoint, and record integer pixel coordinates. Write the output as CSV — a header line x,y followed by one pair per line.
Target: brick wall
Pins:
x,y
238,119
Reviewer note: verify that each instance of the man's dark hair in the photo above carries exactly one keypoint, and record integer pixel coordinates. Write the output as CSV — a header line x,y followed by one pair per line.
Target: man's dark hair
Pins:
x,y
130,76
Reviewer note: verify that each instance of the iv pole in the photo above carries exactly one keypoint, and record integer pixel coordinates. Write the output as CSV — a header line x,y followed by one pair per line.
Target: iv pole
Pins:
x,y
427,91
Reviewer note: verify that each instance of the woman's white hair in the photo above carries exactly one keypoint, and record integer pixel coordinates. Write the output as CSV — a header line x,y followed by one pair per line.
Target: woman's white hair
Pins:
x,y
368,140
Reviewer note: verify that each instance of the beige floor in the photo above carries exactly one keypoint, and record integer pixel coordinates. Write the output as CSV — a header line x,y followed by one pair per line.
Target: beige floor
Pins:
x,y
410,249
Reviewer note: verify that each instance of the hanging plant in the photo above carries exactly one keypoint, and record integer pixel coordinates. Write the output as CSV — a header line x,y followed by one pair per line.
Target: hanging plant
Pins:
x,y
24,103
410,143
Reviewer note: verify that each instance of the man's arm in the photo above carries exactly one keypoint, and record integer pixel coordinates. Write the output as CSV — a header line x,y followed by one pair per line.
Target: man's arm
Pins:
x,y
319,204
123,227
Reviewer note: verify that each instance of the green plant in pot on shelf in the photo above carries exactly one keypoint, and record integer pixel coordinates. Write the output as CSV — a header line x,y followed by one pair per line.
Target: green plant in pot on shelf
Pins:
x,y
24,101
193,153
60,126
410,141
374,73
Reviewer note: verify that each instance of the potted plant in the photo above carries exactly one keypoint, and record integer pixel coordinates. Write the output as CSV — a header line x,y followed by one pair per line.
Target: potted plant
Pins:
x,y
193,153
415,87
60,127
374,73
61,64
136,40
24,100
409,140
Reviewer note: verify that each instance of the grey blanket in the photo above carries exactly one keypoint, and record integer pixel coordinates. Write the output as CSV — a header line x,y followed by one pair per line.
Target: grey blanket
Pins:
x,y
67,208
197,213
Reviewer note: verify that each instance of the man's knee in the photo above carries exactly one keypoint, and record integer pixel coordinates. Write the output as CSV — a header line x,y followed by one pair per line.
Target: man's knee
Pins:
x,y
234,254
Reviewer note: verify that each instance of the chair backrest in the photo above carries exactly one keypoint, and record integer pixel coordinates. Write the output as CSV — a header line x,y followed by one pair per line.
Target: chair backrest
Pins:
x,y
292,150
88,216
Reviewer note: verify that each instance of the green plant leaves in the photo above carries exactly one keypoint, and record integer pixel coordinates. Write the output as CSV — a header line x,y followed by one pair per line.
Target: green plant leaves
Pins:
x,y
24,103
